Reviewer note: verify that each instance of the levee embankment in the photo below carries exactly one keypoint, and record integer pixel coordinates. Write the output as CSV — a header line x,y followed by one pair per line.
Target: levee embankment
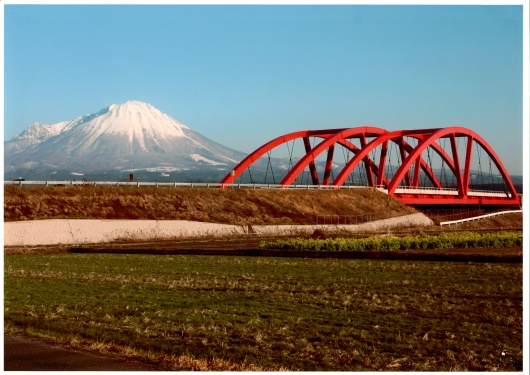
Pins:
x,y
223,206
85,214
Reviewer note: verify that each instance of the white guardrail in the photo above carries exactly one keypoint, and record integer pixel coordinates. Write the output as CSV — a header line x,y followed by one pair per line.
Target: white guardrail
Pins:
x,y
399,190
176,185
450,191
479,217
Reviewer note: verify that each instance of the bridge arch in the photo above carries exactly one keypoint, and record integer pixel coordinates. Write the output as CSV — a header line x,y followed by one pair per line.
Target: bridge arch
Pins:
x,y
404,184
328,143
269,146
462,174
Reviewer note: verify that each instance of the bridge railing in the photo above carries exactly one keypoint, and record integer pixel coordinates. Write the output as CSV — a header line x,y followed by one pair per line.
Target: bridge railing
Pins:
x,y
446,191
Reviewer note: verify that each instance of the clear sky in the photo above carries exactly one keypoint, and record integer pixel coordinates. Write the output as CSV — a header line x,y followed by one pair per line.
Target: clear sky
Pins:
x,y
244,74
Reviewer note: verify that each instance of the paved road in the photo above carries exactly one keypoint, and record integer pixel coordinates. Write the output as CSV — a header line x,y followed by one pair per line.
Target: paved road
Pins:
x,y
26,355
81,231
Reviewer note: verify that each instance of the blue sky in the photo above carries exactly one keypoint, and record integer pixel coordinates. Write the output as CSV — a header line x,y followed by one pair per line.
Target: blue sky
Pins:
x,y
245,74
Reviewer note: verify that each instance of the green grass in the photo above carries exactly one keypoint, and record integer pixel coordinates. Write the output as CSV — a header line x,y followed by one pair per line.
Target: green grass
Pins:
x,y
409,242
235,313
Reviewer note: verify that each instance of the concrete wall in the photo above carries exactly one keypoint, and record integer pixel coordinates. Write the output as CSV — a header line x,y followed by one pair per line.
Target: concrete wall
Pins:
x,y
53,232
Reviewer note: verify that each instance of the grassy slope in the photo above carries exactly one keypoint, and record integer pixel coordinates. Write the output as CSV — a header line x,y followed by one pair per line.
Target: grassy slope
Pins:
x,y
232,206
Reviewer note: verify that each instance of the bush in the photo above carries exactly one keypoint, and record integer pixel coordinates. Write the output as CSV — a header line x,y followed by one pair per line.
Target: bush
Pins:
x,y
411,242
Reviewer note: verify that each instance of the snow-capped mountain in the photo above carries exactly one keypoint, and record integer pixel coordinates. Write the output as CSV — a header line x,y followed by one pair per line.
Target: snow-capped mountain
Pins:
x,y
132,136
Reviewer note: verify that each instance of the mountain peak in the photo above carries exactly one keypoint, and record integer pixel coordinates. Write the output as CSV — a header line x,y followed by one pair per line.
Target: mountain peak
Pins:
x,y
133,105
131,135
134,119
40,132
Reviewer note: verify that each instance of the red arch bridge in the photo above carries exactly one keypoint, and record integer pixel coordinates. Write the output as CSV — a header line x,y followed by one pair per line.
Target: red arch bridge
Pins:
x,y
443,166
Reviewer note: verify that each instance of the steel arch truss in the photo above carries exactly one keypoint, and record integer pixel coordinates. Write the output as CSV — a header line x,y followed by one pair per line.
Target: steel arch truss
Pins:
x,y
404,183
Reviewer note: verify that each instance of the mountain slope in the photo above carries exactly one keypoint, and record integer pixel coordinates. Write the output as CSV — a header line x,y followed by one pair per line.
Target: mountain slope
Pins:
x,y
129,136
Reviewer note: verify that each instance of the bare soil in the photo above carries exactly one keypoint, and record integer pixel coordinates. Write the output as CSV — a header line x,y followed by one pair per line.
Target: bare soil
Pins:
x,y
249,246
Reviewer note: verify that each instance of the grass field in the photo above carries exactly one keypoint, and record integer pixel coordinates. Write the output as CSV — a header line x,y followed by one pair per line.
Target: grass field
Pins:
x,y
197,312
255,313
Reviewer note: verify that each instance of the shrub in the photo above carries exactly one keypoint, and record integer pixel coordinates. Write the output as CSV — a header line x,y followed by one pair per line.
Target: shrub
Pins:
x,y
411,242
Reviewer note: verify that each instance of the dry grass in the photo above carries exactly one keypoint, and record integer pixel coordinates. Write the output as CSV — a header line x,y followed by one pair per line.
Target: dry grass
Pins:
x,y
513,220
230,206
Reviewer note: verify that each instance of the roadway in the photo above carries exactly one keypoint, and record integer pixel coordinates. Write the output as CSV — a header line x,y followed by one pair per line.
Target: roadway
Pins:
x,y
21,354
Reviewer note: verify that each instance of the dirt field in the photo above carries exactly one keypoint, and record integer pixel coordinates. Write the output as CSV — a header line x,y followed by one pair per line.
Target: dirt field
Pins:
x,y
249,246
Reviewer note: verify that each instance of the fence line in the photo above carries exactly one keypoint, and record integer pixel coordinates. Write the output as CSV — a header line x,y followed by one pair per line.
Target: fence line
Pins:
x,y
220,185
345,219
453,214
178,184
